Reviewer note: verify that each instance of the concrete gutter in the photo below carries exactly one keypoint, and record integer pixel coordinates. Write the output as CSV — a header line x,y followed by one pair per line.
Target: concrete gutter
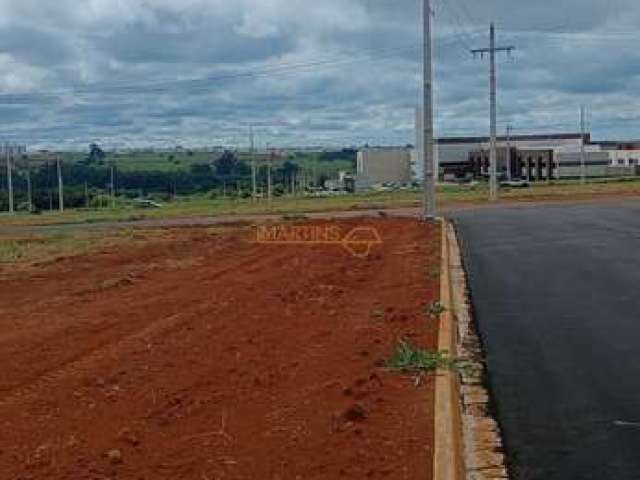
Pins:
x,y
448,449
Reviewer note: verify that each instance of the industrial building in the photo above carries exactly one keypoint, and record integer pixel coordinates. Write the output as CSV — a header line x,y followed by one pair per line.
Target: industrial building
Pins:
x,y
538,157
531,157
570,164
379,166
530,164
456,155
624,158
453,156
549,164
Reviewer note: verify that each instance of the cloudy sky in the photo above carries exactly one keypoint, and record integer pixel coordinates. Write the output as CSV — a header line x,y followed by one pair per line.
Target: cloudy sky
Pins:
x,y
331,72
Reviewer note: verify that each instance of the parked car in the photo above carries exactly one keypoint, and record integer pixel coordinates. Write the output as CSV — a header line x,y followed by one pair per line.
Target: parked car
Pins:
x,y
515,183
141,203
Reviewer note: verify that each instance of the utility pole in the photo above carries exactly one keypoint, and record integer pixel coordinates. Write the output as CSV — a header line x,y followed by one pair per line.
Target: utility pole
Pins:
x,y
493,183
60,186
49,187
509,173
113,187
29,187
429,207
8,151
583,163
269,188
254,185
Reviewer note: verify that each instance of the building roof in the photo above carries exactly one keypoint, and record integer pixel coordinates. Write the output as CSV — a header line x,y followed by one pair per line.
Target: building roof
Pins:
x,y
622,144
515,138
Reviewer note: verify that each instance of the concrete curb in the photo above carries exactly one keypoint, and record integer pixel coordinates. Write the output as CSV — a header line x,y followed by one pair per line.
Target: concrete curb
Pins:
x,y
482,447
448,461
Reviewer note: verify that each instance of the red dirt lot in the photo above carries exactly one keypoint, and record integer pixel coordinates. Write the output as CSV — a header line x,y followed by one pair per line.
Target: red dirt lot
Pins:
x,y
203,355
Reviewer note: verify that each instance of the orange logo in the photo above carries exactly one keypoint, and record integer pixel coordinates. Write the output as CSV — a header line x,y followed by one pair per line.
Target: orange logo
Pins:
x,y
358,241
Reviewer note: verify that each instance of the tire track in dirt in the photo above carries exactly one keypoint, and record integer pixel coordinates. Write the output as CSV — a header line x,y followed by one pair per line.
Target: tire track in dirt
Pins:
x,y
132,339
52,297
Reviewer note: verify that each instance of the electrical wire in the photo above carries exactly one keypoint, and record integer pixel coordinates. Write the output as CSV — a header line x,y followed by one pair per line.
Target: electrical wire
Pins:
x,y
202,84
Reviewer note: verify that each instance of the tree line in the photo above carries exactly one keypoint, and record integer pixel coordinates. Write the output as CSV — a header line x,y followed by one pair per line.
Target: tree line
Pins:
x,y
88,182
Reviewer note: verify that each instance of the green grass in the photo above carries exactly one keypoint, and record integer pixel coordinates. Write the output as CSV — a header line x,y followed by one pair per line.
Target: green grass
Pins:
x,y
10,251
181,161
201,206
434,273
409,359
140,161
58,243
435,310
38,247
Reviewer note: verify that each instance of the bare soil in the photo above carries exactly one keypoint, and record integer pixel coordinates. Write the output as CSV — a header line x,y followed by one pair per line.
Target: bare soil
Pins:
x,y
203,355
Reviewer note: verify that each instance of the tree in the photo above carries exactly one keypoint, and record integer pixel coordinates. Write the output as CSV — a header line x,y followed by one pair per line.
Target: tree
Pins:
x,y
228,165
200,169
289,172
96,154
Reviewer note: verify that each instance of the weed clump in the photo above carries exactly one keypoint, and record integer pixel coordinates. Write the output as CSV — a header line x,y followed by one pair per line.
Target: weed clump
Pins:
x,y
435,309
409,359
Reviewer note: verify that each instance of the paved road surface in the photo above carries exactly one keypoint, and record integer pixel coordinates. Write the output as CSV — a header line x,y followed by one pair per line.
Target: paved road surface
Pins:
x,y
556,291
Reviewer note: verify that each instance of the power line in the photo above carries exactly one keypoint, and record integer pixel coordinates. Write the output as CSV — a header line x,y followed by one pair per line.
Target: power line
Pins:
x,y
467,12
453,13
457,27
194,84
199,84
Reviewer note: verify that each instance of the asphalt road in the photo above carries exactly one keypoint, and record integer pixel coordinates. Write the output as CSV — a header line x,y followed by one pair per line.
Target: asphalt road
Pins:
x,y
556,292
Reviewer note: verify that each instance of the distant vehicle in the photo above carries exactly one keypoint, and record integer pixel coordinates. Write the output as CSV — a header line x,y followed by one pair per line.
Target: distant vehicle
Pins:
x,y
327,193
518,183
141,203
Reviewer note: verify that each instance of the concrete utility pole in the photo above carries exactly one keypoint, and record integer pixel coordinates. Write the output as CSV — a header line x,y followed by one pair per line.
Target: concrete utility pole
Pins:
x,y
429,207
29,187
509,173
254,184
49,187
113,187
493,184
8,152
269,180
60,186
269,164
583,162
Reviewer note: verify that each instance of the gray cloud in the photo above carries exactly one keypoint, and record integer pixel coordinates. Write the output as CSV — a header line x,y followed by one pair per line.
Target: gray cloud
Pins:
x,y
337,72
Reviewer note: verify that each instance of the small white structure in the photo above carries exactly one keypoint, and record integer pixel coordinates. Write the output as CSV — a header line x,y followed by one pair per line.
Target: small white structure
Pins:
x,y
377,166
